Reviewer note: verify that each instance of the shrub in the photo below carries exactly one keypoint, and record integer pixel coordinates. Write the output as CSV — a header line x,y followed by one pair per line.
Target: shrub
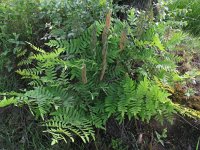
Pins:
x,y
188,11
18,23
36,21
86,74
84,81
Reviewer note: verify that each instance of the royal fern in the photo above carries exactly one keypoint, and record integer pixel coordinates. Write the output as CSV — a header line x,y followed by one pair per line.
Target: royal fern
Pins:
x,y
79,83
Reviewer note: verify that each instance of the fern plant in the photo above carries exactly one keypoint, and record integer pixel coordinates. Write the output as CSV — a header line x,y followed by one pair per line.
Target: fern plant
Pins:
x,y
78,84
142,100
66,122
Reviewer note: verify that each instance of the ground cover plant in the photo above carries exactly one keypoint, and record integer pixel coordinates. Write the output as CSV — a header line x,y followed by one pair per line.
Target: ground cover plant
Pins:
x,y
89,68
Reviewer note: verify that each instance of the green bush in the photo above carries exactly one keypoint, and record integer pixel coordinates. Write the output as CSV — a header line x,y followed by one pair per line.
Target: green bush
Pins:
x,y
68,19
18,24
36,21
90,69
188,11
82,82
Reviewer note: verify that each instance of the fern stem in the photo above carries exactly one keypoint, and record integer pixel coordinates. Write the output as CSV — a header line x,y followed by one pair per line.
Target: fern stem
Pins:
x,y
105,44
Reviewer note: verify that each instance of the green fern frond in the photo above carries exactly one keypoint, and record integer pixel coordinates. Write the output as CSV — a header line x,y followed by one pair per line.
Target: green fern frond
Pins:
x,y
36,48
78,44
7,101
48,56
144,100
185,111
32,73
70,122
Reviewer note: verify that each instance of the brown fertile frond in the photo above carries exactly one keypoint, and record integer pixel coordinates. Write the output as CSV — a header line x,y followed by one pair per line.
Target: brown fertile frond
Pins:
x,y
107,27
122,40
105,44
108,19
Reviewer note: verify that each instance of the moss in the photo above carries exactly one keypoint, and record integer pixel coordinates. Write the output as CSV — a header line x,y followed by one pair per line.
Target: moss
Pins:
x,y
180,97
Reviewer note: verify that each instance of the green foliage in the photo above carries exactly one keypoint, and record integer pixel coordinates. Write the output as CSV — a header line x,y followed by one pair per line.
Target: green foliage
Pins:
x,y
188,11
162,136
118,145
6,102
197,147
37,21
67,19
67,94
19,130
18,23
144,100
67,122
89,71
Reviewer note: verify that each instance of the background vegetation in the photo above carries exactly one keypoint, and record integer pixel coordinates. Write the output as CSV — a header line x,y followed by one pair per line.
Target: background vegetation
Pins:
x,y
75,72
